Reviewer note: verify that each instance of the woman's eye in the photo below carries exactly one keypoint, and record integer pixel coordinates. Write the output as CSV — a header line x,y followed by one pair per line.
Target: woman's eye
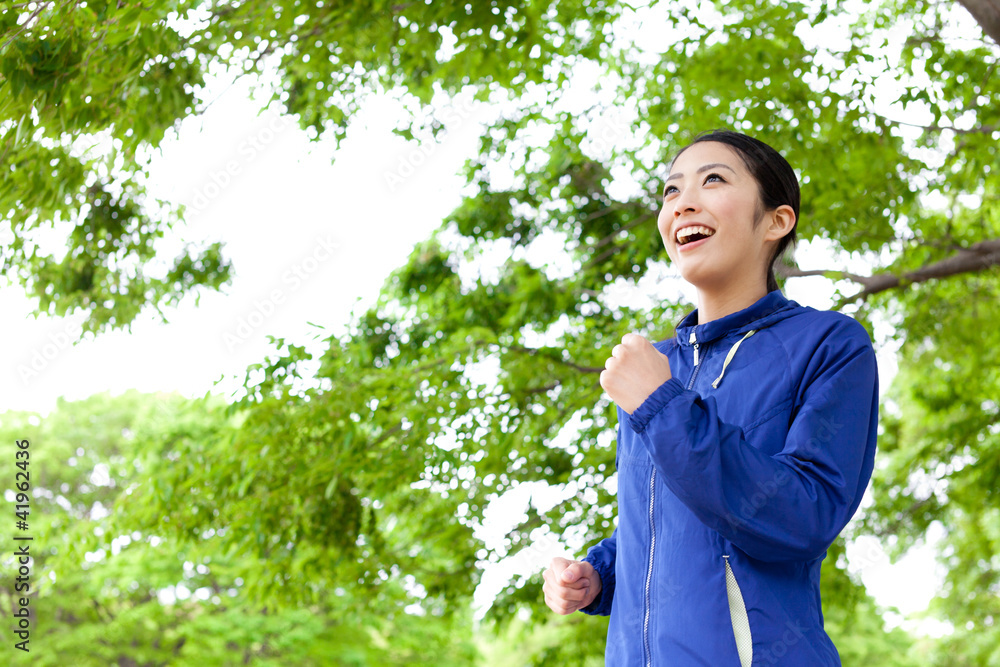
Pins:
x,y
716,177
669,190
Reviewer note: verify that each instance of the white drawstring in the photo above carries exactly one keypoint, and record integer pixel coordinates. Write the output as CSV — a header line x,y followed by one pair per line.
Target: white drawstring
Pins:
x,y
729,357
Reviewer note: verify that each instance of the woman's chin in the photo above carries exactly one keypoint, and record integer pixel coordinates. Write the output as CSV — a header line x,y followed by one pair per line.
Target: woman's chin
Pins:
x,y
700,276
712,277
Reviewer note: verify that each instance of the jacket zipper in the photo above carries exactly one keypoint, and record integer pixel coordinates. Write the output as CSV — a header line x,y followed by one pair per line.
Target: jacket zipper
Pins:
x,y
649,569
694,343
652,524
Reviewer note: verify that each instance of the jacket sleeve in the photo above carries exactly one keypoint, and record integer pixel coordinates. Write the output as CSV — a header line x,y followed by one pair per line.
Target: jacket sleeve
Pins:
x,y
792,504
602,556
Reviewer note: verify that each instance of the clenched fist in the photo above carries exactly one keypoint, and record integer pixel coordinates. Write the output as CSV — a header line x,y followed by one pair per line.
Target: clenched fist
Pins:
x,y
570,585
634,371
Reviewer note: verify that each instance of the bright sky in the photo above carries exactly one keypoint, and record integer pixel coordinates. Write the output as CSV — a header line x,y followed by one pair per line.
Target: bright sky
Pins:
x,y
309,238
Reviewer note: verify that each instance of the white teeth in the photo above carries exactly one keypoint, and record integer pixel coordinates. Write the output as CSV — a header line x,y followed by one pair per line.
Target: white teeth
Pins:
x,y
683,235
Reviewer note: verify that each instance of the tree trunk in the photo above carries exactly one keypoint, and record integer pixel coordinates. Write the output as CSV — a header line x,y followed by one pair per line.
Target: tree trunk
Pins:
x,y
987,14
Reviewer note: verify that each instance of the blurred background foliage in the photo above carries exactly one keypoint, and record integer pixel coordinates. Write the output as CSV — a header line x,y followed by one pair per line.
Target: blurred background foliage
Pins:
x,y
339,519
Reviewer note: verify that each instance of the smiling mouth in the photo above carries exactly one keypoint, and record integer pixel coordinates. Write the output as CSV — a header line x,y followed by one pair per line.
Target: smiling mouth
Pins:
x,y
693,233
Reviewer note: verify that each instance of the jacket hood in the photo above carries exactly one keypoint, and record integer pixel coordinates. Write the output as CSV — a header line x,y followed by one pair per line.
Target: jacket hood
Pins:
x,y
769,310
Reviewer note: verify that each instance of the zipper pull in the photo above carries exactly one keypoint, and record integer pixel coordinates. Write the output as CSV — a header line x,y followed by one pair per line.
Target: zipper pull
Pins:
x,y
694,342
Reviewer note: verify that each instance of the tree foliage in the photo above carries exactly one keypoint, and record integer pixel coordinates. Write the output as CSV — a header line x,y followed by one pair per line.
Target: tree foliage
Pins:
x,y
102,595
466,381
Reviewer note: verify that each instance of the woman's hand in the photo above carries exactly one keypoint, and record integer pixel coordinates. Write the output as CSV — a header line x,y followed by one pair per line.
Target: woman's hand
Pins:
x,y
570,585
634,371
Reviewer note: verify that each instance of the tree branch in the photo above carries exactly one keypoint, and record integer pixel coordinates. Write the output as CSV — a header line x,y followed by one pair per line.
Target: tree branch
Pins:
x,y
611,209
27,24
386,434
533,352
982,129
977,257
540,390
787,271
611,237
987,15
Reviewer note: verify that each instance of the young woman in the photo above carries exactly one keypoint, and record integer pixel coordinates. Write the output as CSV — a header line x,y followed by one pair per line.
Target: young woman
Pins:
x,y
745,442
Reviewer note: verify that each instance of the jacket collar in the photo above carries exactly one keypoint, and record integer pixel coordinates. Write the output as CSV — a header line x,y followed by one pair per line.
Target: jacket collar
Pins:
x,y
771,308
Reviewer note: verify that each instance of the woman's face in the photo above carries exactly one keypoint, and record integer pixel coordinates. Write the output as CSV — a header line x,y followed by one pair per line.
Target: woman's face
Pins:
x,y
710,202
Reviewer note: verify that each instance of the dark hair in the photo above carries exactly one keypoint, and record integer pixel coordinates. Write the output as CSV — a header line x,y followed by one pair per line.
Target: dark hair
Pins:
x,y
777,184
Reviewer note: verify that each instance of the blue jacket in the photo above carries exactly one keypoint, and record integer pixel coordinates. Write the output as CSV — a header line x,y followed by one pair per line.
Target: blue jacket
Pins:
x,y
734,477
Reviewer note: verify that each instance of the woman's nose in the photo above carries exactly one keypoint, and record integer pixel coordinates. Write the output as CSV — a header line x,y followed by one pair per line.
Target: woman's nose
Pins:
x,y
685,203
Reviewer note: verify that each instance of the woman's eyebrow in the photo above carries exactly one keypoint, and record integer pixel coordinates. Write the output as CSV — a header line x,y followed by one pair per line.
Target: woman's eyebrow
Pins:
x,y
703,168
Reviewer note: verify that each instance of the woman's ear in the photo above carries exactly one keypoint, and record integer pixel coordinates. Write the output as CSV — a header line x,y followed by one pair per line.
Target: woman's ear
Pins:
x,y
781,224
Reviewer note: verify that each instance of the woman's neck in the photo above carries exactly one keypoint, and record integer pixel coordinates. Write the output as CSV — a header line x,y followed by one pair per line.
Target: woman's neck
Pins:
x,y
716,304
